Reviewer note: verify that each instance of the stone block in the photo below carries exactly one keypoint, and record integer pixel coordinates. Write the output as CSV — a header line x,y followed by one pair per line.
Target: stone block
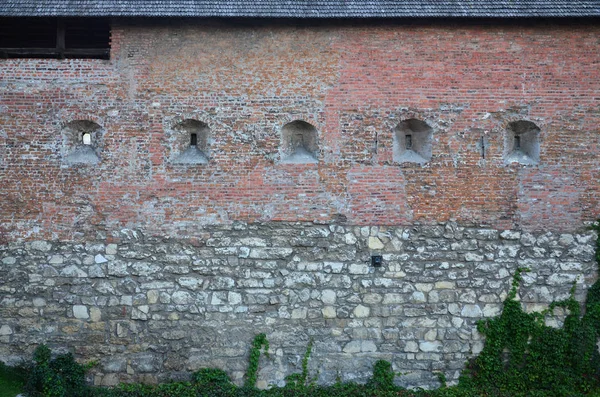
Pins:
x,y
80,312
361,311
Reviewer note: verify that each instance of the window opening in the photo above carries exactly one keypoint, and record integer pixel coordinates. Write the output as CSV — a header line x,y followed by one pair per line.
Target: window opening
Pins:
x,y
483,147
408,142
54,38
412,142
82,141
521,144
189,140
299,143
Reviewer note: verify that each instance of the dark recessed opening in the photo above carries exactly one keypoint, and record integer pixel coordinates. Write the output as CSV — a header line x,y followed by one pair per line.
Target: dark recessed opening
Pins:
x,y
299,143
408,142
82,142
54,38
190,142
522,143
412,142
376,260
483,145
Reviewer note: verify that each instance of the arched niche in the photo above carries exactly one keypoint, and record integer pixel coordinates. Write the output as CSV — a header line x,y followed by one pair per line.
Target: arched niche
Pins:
x,y
299,143
522,143
412,142
82,141
190,142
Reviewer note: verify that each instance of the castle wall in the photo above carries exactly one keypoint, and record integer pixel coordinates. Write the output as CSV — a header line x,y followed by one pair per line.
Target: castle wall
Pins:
x,y
353,84
158,262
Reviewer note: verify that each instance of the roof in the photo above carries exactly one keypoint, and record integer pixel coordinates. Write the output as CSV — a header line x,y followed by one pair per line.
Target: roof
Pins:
x,y
304,8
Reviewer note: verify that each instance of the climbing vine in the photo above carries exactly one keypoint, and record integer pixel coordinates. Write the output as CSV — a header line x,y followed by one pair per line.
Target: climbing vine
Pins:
x,y
522,355
260,341
300,380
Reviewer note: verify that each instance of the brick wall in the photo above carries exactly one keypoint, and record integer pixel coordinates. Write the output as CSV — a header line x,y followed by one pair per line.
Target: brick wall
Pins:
x,y
353,83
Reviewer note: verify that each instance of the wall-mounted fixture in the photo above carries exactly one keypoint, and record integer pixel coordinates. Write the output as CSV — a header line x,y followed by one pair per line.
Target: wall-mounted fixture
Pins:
x,y
376,260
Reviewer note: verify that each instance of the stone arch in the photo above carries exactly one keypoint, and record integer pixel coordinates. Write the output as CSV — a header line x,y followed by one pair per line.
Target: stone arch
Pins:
x,y
83,141
412,142
522,143
299,143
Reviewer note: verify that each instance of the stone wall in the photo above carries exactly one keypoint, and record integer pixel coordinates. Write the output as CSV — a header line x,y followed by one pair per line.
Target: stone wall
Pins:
x,y
153,308
220,259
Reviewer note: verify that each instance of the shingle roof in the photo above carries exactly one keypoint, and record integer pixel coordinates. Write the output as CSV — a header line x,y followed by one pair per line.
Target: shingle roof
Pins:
x,y
303,8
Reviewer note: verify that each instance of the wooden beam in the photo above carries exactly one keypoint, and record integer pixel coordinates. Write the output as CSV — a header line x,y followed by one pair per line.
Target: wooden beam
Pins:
x,y
53,52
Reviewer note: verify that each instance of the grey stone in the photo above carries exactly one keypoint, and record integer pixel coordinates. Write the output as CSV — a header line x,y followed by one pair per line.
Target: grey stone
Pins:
x,y
152,296
328,297
111,249
73,271
95,314
56,260
5,330
418,297
39,302
561,279
353,347
361,311
104,287
109,380
118,268
471,311
80,312
96,271
329,312
144,363
473,257
158,285
375,243
9,260
138,314
144,269
234,298
430,346
222,283
42,246
270,253
299,313
510,235
182,298
297,280
355,268
114,364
